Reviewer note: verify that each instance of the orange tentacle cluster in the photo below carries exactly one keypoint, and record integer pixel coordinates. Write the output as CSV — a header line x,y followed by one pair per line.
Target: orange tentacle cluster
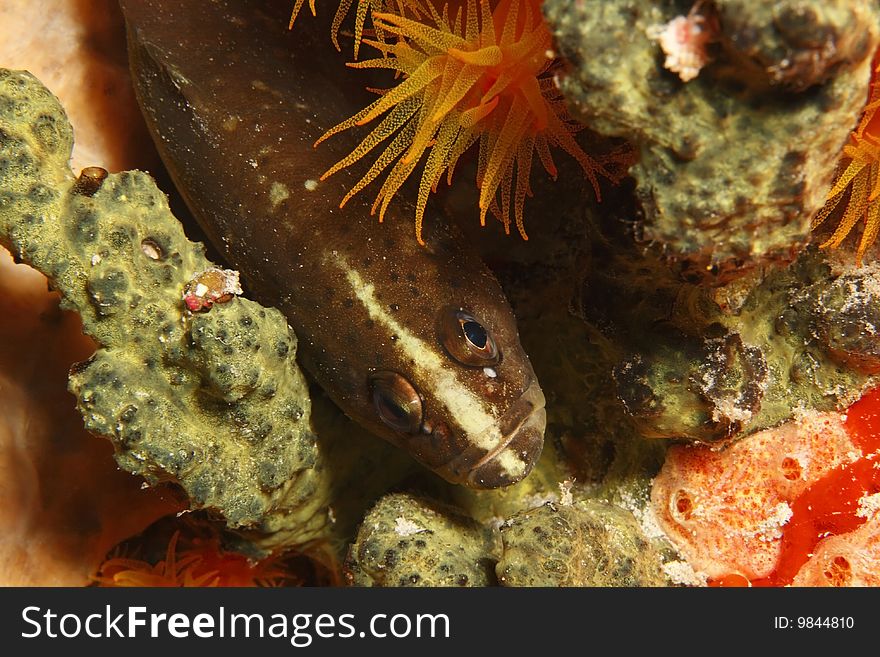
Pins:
x,y
478,76
205,563
858,184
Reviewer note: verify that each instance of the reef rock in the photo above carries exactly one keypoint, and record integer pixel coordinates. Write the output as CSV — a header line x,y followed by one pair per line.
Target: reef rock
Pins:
x,y
730,361
410,541
735,162
77,50
64,503
586,544
847,316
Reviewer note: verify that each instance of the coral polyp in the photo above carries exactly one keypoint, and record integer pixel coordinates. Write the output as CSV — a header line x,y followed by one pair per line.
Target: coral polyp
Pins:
x,y
858,185
483,76
203,564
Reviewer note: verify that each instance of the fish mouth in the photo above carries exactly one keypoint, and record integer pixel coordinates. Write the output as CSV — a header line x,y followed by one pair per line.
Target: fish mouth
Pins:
x,y
522,439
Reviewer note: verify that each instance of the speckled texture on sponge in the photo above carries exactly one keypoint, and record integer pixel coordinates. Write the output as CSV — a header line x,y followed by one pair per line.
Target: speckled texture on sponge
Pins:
x,y
411,541
591,543
735,162
214,401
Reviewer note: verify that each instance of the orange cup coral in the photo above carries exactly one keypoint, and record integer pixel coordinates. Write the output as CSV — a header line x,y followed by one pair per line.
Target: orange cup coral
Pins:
x,y
480,76
858,185
205,563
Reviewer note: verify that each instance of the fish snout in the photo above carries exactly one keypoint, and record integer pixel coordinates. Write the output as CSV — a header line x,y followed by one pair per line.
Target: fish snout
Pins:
x,y
498,455
520,447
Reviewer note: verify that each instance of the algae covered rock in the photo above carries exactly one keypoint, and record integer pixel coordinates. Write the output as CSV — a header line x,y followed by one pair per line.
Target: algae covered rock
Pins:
x,y
735,162
411,541
211,401
848,317
793,43
588,544
801,337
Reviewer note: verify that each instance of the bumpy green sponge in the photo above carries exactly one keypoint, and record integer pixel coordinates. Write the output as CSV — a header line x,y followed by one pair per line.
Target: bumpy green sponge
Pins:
x,y
799,338
211,400
412,541
586,544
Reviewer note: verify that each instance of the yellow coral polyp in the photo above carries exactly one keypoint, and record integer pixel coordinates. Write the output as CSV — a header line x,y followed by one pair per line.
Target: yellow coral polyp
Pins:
x,y
858,185
480,76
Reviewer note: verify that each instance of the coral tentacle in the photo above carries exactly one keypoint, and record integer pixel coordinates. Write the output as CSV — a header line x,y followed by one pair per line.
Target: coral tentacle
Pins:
x,y
469,74
857,186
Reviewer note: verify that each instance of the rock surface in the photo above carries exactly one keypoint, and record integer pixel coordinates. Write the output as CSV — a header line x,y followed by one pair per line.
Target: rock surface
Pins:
x,y
410,541
587,544
735,162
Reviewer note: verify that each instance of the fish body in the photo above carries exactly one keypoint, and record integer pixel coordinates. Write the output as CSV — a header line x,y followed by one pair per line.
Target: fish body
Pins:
x,y
418,344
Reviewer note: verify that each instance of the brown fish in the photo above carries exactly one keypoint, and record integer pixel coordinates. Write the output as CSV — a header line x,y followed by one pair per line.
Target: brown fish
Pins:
x,y
417,344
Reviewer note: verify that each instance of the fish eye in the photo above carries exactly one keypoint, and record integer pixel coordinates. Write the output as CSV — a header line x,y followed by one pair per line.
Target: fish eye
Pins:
x,y
466,339
397,402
